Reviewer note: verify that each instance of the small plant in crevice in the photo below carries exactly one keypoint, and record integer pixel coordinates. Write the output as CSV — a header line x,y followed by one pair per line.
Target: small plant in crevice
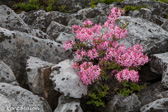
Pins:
x,y
48,5
104,65
164,1
132,8
167,16
128,88
94,3
31,5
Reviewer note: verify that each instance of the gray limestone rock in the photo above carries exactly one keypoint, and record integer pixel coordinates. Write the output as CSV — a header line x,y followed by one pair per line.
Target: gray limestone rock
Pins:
x,y
16,47
155,11
97,15
152,92
74,5
65,37
37,19
17,99
159,65
6,74
160,105
38,73
140,31
67,104
66,80
165,25
41,19
10,20
74,22
54,29
152,37
135,1
40,34
33,74
124,104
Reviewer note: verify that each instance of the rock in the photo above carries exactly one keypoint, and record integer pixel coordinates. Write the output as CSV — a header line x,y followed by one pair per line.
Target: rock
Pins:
x,y
65,37
67,104
37,19
160,105
152,92
10,20
155,12
159,65
17,97
16,47
165,25
151,36
39,34
135,1
34,66
74,22
66,80
7,75
60,17
97,15
55,28
41,19
91,13
148,15
74,5
38,73
147,75
134,13
124,104
145,13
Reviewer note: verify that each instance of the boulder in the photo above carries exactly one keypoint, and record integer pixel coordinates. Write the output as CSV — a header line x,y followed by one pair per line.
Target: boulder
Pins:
x,y
160,105
10,20
97,15
66,80
147,14
152,92
40,34
38,73
152,37
54,29
16,47
67,104
41,19
156,11
124,104
65,37
7,75
135,1
74,22
140,31
159,65
74,5
37,19
17,99
33,68
165,25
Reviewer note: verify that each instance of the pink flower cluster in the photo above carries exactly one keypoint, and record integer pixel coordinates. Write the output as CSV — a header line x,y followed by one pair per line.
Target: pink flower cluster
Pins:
x,y
131,57
69,44
89,72
127,75
99,42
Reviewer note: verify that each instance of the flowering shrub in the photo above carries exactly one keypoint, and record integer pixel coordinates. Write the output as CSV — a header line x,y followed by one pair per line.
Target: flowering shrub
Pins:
x,y
100,57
